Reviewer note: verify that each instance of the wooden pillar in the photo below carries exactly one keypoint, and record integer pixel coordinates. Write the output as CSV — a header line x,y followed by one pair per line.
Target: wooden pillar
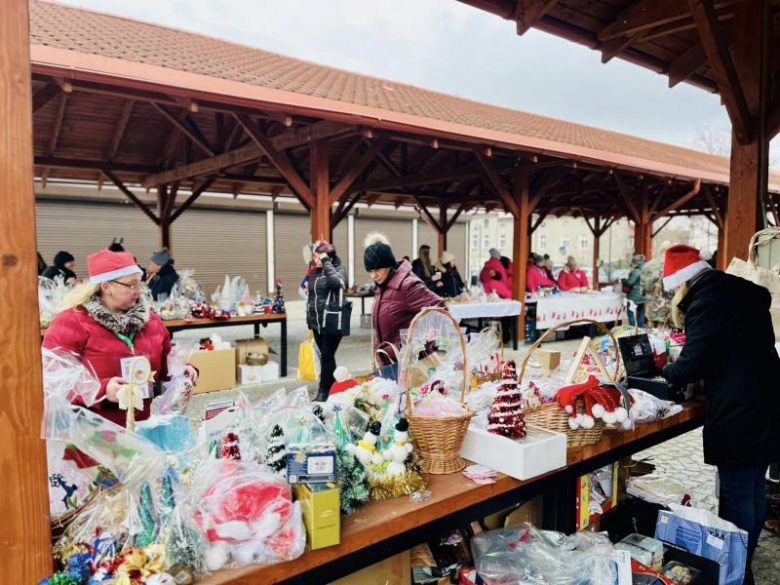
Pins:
x,y
749,159
442,231
596,251
24,505
520,243
165,225
320,190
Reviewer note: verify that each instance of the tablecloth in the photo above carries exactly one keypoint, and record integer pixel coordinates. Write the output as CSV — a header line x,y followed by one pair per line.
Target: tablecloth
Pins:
x,y
557,309
485,310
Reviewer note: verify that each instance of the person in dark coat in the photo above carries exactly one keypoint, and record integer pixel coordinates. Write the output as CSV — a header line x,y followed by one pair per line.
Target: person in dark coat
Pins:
x,y
452,281
41,265
730,344
162,275
63,266
399,296
424,269
326,297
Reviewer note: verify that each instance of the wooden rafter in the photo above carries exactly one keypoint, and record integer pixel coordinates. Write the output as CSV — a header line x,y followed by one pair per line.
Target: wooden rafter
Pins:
x,y
347,157
658,198
353,173
55,133
44,95
95,165
131,196
663,225
680,202
341,213
205,184
277,158
455,216
427,216
687,64
196,137
541,216
714,206
624,192
170,202
613,47
528,12
498,184
246,154
551,178
119,129
722,65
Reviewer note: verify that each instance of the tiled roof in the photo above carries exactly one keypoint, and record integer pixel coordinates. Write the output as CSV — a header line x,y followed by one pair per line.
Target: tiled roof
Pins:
x,y
84,31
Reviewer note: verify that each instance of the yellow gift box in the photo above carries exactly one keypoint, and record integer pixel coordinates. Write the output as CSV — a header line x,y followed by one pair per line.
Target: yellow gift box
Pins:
x,y
321,509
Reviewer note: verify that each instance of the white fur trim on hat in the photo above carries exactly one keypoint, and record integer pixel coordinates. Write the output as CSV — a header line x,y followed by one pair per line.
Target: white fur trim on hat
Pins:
x,y
683,275
114,274
340,374
375,238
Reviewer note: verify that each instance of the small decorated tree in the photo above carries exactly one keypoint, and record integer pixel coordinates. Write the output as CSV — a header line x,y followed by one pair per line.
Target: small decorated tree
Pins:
x,y
506,415
278,306
276,455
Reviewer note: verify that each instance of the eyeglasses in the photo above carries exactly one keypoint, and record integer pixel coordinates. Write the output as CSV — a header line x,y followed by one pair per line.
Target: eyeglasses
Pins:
x,y
136,286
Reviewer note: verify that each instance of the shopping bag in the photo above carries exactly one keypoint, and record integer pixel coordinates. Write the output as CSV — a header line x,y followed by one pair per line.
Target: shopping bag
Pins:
x,y
704,534
386,369
755,270
308,360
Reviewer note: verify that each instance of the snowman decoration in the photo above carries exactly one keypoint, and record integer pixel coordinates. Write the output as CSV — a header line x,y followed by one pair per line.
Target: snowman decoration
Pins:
x,y
365,450
400,449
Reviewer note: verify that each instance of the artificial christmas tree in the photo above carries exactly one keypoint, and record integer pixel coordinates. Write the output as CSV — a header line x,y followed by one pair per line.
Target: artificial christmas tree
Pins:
x,y
506,415
276,455
278,306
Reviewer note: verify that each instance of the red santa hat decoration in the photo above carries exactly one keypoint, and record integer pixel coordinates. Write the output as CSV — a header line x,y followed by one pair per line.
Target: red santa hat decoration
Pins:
x,y
343,381
682,263
107,265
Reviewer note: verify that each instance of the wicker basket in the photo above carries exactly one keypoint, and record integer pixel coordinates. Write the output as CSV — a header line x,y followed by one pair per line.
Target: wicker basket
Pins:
x,y
438,440
551,416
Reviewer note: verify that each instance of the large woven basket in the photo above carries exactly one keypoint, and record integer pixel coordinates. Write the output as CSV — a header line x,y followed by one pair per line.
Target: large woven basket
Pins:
x,y
438,440
551,416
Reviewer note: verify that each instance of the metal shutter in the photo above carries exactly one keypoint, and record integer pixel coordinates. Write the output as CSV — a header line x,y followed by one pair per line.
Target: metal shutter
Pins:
x,y
218,243
292,232
341,241
456,241
85,228
426,236
399,232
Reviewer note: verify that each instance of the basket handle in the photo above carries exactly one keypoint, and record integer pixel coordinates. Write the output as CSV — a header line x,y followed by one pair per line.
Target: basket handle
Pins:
x,y
500,335
769,234
462,340
379,350
551,330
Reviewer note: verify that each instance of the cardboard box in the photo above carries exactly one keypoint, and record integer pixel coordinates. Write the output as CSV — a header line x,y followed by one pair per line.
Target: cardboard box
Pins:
x,y
396,570
321,509
548,359
246,346
645,550
217,370
530,512
596,496
258,374
539,452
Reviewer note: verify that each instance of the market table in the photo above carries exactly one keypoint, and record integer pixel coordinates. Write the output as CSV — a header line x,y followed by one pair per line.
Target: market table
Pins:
x,y
256,320
553,310
362,296
387,527
494,310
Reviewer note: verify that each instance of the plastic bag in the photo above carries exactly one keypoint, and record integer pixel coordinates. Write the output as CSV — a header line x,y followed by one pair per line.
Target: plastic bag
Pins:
x,y
178,389
659,489
524,555
248,516
50,295
438,405
646,408
308,360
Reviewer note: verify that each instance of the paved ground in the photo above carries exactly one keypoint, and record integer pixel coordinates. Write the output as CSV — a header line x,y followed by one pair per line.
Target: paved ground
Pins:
x,y
683,458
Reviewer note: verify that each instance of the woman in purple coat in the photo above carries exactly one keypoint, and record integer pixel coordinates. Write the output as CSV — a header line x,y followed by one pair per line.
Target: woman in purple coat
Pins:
x,y
400,295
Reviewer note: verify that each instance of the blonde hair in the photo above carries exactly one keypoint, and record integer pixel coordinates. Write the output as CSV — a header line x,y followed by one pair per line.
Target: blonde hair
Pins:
x,y
79,295
678,317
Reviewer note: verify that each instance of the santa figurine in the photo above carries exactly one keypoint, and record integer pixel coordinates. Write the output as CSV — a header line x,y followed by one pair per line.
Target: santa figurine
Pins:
x,y
344,381
365,450
400,449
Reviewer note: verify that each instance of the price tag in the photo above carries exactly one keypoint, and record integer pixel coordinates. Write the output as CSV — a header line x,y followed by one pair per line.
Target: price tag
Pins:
x,y
320,465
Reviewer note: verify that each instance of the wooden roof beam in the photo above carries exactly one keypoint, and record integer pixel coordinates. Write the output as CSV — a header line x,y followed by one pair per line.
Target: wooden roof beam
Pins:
x,y
722,65
503,8
716,210
528,12
498,184
427,216
119,129
196,137
131,196
624,192
353,173
613,47
207,182
95,165
44,95
687,64
552,178
680,202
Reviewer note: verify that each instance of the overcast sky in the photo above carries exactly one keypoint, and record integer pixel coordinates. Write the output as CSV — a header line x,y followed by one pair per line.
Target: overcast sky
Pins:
x,y
450,47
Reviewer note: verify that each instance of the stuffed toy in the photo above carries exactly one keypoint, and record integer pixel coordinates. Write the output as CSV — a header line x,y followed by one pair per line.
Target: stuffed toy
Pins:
x,y
365,450
400,450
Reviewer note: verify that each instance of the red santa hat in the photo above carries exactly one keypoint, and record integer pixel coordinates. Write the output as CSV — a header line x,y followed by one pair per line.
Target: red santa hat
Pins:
x,y
682,263
107,265
344,380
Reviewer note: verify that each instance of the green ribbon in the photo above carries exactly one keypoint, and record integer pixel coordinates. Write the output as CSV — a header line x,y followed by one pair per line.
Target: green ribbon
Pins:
x,y
127,339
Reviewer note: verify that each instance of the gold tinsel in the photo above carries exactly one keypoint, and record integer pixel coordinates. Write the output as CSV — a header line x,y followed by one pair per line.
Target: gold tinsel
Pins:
x,y
385,487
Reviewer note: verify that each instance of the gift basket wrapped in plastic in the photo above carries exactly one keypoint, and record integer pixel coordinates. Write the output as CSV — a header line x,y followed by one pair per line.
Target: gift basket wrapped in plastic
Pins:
x,y
434,376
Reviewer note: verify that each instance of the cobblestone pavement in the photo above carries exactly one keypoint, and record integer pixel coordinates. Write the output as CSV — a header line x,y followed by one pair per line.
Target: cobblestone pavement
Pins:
x,y
683,458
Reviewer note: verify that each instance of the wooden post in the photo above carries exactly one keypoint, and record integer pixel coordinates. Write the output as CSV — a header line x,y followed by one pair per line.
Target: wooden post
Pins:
x,y
596,250
520,242
165,225
647,223
442,232
24,505
320,190
749,160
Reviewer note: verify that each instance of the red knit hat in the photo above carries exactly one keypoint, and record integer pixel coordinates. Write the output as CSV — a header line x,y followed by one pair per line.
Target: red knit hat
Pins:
x,y
682,263
107,265
344,381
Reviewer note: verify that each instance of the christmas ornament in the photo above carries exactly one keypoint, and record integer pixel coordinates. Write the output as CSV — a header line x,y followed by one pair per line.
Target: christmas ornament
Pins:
x,y
400,450
506,416
276,455
230,447
278,307
365,450
353,482
148,522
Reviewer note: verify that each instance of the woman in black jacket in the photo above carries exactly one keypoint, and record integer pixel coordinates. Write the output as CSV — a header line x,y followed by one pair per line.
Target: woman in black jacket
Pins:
x,y
730,344
162,275
452,282
327,295
64,262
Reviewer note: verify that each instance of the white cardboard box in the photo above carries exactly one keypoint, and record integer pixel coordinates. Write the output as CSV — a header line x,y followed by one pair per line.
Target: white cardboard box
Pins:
x,y
539,452
258,374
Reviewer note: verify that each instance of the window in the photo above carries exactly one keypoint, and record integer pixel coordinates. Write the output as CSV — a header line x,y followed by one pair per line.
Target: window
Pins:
x,y
475,241
542,242
584,243
486,242
502,242
486,222
565,242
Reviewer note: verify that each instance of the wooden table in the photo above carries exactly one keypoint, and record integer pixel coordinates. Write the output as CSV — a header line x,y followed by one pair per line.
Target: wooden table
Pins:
x,y
256,320
362,296
387,527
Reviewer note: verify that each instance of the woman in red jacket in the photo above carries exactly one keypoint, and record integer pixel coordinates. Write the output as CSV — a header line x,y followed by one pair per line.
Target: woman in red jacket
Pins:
x,y
107,320
399,296
571,276
536,276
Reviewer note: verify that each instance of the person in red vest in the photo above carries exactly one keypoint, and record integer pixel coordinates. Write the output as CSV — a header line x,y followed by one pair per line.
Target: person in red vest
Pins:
x,y
107,320
537,277
571,276
494,276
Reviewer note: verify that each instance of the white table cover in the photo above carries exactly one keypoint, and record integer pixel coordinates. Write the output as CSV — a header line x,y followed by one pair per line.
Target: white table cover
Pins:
x,y
557,309
508,308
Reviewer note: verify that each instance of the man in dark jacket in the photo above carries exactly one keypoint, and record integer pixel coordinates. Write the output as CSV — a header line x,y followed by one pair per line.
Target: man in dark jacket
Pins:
x,y
327,295
730,345
64,262
163,275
